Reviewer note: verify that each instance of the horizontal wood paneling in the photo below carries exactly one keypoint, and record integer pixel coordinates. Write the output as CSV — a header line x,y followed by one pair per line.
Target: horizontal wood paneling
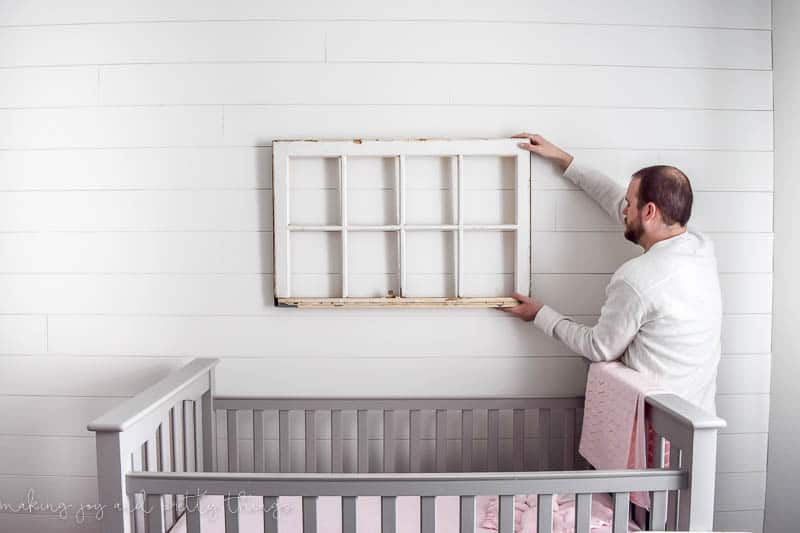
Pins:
x,y
249,168
162,43
600,127
556,43
51,415
23,334
744,374
259,125
744,413
430,333
60,455
64,494
204,294
742,452
714,13
136,168
63,86
382,83
740,520
740,491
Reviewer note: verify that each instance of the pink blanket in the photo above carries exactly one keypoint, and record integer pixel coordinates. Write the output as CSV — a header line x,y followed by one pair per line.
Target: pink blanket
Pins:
x,y
614,435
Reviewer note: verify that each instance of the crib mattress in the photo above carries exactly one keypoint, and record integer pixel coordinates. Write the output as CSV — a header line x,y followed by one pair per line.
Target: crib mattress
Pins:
x,y
408,520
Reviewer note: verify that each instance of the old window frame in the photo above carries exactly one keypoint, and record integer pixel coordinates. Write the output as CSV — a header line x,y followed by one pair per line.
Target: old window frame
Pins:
x,y
400,150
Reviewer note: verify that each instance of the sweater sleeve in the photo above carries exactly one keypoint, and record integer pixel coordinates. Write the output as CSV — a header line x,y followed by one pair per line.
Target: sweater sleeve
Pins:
x,y
607,192
622,315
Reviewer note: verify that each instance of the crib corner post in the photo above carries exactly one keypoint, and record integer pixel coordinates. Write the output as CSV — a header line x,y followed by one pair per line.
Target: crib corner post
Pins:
x,y
700,461
209,426
112,492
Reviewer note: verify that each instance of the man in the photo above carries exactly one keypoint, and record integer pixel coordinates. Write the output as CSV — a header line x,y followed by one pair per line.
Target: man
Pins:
x,y
663,309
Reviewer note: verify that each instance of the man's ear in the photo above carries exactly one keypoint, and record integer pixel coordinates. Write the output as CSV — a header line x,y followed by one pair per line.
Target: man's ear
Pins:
x,y
650,211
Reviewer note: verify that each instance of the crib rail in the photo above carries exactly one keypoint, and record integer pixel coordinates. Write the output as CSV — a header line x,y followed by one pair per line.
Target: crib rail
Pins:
x,y
389,486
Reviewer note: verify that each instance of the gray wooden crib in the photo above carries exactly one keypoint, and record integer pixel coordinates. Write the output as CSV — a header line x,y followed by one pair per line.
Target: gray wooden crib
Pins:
x,y
160,450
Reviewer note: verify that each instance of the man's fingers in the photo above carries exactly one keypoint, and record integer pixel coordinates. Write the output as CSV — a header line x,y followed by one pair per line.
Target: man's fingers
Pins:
x,y
535,148
520,297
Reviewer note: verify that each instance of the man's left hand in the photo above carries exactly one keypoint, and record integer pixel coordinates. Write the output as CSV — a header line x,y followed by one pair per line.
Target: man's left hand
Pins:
x,y
527,308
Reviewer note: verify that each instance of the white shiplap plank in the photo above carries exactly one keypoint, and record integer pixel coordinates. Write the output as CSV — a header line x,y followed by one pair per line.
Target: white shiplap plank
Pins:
x,y
752,521
382,83
136,168
136,252
742,452
24,523
40,87
37,455
82,376
711,212
93,127
744,413
433,334
404,376
162,43
556,43
113,127
740,491
67,490
136,210
708,170
744,374
604,252
713,13
51,415
600,127
746,334
23,334
583,294
580,294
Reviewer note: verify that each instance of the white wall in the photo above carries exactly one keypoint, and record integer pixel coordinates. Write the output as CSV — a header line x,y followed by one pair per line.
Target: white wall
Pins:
x,y
135,199
782,512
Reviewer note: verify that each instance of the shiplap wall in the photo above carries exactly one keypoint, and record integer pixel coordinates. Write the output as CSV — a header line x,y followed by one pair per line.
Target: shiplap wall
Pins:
x,y
135,200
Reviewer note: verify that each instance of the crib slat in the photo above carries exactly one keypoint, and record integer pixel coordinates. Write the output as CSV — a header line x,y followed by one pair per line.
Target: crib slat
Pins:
x,y
155,516
198,436
467,523
427,514
309,514
138,464
270,514
658,513
361,446
544,431
583,512
466,440
413,440
544,513
519,439
493,442
258,440
311,441
231,514
672,499
348,514
283,436
684,496
209,433
189,456
388,441
233,441
179,455
336,441
621,504
569,439
150,459
192,514
441,440
165,444
505,513
388,514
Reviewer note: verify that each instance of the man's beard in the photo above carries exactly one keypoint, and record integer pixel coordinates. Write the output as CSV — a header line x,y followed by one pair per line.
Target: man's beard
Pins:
x,y
634,232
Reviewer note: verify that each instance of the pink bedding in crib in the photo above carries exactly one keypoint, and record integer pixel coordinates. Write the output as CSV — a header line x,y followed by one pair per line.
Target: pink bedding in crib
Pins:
x,y
290,517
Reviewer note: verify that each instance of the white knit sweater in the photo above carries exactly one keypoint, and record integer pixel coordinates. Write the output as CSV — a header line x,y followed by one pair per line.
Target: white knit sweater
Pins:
x,y
663,309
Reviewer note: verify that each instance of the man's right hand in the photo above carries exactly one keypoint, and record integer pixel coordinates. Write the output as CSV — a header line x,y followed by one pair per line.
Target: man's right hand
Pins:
x,y
541,146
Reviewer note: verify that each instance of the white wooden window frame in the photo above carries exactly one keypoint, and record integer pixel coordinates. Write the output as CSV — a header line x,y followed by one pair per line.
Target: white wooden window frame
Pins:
x,y
284,150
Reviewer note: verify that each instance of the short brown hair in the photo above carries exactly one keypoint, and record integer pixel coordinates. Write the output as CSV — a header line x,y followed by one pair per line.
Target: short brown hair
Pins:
x,y
669,189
